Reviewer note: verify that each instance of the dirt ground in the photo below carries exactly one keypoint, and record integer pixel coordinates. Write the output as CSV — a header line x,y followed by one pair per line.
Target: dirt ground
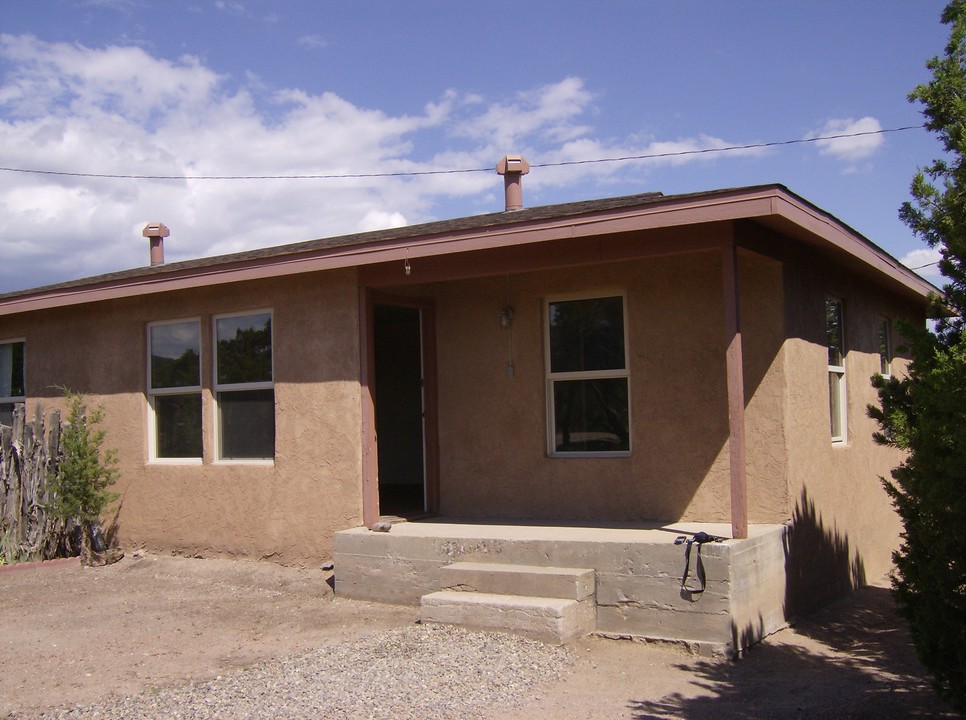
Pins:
x,y
74,635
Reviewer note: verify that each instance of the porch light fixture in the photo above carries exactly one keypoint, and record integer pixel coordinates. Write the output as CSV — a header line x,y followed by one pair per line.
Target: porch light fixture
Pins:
x,y
506,317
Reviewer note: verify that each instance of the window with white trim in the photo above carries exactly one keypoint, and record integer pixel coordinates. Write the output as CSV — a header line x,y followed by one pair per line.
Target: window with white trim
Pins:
x,y
174,389
885,347
588,398
244,386
837,401
12,378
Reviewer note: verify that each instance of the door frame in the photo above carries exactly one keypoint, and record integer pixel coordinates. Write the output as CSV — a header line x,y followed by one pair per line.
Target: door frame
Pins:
x,y
368,299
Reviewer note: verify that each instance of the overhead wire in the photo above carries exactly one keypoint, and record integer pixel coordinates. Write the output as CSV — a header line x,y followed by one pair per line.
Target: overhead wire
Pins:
x,y
418,173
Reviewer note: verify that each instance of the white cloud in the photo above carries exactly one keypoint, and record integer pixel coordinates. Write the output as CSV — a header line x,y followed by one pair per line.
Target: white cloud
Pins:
x,y
865,138
65,79
924,262
313,41
380,219
232,8
547,111
119,111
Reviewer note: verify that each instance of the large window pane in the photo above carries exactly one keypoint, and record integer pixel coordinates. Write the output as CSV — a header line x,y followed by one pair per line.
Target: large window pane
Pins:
x,y
176,355
247,424
586,335
244,349
591,415
178,420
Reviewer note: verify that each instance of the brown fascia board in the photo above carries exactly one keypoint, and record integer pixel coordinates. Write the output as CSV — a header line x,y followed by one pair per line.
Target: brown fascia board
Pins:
x,y
797,218
769,204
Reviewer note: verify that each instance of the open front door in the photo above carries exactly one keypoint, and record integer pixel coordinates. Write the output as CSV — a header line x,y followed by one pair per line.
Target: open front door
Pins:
x,y
401,359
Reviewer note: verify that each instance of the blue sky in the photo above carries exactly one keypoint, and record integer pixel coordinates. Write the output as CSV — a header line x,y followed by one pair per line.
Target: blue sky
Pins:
x,y
255,88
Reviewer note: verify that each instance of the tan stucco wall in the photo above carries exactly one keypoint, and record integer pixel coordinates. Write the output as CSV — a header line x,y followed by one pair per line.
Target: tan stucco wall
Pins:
x,y
493,447
494,460
492,438
840,510
286,510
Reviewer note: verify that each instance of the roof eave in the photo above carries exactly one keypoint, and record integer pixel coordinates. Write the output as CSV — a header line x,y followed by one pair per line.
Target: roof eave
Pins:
x,y
536,225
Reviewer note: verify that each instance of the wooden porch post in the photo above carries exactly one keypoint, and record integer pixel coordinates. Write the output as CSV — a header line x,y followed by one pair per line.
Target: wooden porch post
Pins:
x,y
370,464
736,391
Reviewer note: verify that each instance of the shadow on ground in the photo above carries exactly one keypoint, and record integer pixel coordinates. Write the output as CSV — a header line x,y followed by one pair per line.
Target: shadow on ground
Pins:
x,y
875,673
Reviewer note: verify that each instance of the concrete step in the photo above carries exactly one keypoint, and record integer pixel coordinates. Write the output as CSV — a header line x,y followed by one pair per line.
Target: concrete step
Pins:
x,y
551,620
532,580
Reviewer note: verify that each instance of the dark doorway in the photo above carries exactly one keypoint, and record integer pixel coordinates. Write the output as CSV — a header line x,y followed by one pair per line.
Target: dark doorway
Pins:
x,y
399,407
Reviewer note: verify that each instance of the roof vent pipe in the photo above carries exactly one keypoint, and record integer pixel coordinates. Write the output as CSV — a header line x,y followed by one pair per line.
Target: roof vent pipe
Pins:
x,y
513,168
156,232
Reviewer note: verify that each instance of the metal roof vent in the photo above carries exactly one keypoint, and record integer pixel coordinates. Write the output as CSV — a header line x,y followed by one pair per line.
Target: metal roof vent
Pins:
x,y
513,168
156,232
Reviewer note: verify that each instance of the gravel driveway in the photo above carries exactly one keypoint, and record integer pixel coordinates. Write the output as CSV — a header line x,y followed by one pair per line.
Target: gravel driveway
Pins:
x,y
416,672
168,637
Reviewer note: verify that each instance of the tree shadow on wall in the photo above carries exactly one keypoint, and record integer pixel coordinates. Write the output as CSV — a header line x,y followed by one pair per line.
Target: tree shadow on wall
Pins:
x,y
819,563
819,568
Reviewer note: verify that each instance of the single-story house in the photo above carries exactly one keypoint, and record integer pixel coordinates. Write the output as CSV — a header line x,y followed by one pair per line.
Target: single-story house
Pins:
x,y
572,386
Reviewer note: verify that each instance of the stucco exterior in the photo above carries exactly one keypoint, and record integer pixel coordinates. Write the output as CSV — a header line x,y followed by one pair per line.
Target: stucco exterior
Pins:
x,y
493,449
286,510
486,426
493,444
835,490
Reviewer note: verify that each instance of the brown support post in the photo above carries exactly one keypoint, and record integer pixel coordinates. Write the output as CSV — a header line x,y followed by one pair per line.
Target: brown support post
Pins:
x,y
430,405
370,464
736,392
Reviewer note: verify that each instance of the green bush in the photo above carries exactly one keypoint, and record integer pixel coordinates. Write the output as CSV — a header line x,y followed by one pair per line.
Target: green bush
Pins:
x,y
80,489
924,413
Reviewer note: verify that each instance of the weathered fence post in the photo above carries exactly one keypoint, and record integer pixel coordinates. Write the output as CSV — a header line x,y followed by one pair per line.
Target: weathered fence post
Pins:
x,y
28,454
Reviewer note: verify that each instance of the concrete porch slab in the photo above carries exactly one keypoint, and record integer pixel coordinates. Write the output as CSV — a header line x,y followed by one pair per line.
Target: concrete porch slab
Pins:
x,y
638,572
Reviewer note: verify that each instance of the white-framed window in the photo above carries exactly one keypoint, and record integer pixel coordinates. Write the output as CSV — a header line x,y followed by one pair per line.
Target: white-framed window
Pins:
x,y
885,347
588,382
837,399
244,386
12,378
174,390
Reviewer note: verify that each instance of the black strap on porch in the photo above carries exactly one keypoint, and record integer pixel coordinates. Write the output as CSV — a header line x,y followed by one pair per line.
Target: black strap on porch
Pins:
x,y
700,539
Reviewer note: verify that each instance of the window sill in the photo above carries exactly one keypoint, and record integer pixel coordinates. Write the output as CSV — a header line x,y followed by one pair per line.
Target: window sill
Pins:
x,y
570,456
265,462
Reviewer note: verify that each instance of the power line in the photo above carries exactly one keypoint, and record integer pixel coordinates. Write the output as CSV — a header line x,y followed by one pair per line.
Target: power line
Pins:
x,y
418,173
751,146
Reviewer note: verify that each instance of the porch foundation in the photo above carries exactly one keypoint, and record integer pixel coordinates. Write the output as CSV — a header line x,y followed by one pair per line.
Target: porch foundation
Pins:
x,y
638,573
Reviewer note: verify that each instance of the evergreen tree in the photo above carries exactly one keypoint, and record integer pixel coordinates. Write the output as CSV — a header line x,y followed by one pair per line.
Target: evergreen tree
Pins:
x,y
80,488
924,413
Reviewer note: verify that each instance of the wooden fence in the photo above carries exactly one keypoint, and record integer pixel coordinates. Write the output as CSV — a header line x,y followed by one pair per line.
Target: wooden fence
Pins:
x,y
29,453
